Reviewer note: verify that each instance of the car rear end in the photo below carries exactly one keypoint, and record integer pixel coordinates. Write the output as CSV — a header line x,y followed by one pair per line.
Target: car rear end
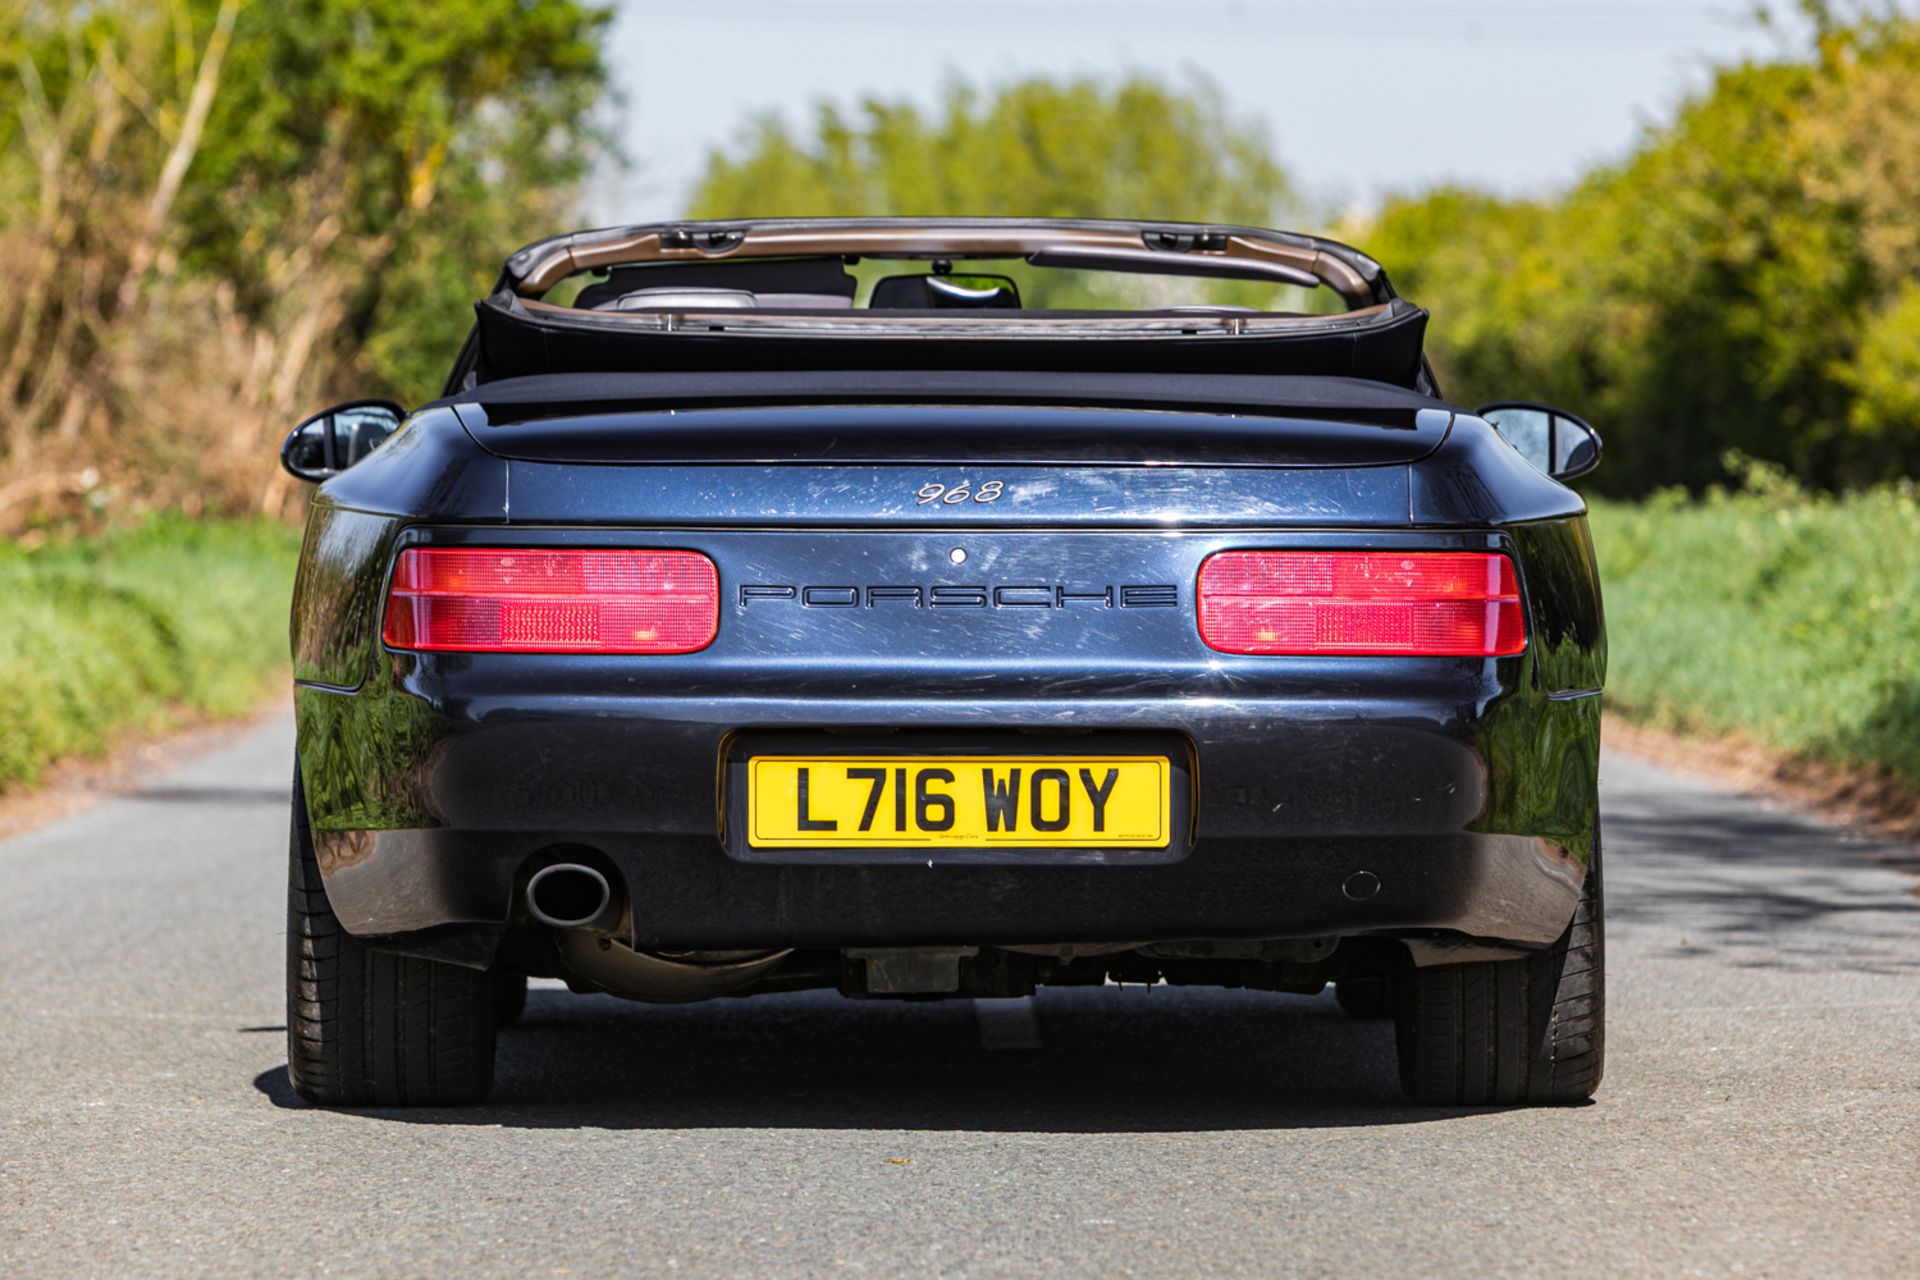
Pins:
x,y
852,703
913,655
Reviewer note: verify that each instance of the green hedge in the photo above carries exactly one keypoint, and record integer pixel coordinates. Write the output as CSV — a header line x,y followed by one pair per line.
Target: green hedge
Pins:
x,y
1784,617
100,636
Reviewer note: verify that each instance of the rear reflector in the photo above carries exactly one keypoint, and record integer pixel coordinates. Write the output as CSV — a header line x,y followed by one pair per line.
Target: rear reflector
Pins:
x,y
1427,603
483,600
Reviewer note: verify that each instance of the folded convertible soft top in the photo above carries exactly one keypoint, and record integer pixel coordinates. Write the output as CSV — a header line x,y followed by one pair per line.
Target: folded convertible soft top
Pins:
x,y
1381,346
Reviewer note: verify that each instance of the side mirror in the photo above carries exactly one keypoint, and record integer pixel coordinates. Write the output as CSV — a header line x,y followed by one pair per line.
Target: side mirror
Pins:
x,y
334,439
1551,439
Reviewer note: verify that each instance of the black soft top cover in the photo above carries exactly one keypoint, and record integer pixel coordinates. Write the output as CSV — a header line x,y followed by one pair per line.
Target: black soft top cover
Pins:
x,y
513,342
897,416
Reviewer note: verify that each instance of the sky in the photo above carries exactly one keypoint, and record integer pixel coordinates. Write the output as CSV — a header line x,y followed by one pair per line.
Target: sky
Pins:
x,y
1360,97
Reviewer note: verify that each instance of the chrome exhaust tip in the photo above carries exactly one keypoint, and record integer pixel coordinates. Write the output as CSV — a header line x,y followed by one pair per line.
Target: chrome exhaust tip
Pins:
x,y
570,895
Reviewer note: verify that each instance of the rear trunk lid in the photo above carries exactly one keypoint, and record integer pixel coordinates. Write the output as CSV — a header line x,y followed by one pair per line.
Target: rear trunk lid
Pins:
x,y
1233,459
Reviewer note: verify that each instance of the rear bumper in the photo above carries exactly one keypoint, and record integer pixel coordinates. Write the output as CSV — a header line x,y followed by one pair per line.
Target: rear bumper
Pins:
x,y
1463,805
687,896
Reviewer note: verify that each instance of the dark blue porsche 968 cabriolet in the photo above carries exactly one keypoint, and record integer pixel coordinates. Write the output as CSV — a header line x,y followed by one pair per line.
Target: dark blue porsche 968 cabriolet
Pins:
x,y
922,608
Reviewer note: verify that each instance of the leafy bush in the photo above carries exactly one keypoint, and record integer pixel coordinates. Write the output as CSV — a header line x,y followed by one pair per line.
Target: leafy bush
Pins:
x,y
1780,615
102,636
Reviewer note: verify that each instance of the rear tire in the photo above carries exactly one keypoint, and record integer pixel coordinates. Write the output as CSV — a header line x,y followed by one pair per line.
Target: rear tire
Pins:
x,y
1501,1033
365,1028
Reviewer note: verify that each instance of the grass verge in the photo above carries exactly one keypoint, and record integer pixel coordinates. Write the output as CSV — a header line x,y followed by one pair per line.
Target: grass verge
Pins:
x,y
116,634
1771,614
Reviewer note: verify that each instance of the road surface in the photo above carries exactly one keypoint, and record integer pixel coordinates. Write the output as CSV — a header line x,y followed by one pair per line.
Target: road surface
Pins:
x,y
1760,1116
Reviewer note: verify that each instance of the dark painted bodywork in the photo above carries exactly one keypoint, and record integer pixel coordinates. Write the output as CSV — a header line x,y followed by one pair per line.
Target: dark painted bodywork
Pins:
x,y
1466,787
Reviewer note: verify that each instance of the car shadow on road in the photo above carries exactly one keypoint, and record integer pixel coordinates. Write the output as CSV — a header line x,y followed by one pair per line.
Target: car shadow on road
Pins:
x,y
1109,1060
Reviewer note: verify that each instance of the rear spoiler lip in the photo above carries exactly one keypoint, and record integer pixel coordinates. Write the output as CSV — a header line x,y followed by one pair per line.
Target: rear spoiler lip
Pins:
x,y
1287,255
1310,396
865,434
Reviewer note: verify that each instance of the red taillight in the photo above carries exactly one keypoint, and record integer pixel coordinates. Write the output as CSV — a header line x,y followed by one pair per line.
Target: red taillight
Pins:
x,y
1428,603
482,600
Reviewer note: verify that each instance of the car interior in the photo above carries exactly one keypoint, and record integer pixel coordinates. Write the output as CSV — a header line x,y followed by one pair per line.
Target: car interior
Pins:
x,y
935,285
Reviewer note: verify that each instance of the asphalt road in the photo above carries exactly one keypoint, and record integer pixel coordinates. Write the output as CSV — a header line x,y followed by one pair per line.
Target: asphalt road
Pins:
x,y
1761,1113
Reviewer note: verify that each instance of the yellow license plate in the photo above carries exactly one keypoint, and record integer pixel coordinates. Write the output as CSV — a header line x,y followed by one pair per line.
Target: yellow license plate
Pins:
x,y
844,802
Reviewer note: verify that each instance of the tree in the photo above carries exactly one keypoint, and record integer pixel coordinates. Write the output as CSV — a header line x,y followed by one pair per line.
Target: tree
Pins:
x,y
218,214
428,140
1086,148
1743,281
1134,148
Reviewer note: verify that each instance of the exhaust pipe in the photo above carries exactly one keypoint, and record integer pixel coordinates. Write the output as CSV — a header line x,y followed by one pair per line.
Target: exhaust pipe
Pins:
x,y
570,895
614,967
581,903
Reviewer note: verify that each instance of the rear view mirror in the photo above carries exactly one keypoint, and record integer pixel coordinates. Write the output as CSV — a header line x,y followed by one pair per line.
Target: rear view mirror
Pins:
x,y
1551,439
334,439
944,292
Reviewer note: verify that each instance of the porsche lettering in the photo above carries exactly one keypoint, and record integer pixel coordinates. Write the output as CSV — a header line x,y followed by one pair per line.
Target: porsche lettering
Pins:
x,y
1013,595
